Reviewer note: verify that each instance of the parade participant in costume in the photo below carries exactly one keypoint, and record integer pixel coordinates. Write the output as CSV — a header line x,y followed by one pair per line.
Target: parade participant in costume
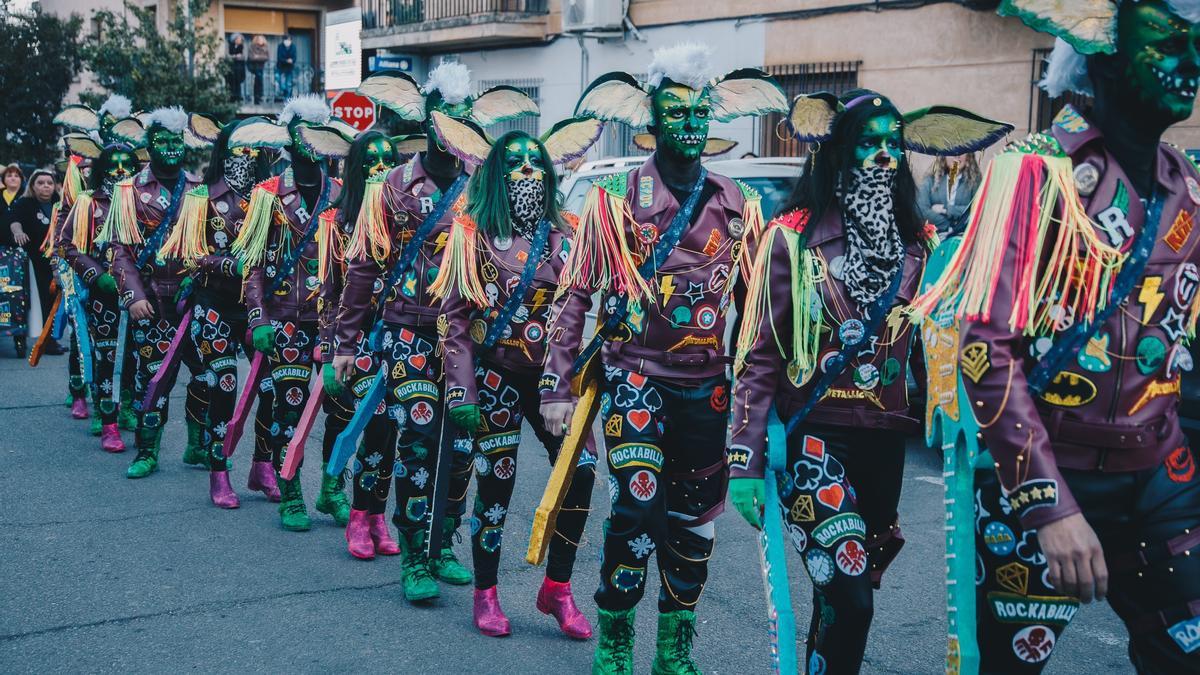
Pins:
x,y
279,254
664,244
210,219
497,282
369,157
142,214
1075,287
91,263
392,257
825,340
92,130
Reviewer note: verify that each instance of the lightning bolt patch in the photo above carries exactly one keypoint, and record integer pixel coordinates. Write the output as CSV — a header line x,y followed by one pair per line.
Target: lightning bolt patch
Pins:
x,y
441,242
1150,296
539,298
667,286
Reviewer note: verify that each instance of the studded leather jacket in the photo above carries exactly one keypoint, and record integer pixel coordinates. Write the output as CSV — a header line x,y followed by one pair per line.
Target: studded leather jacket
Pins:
x,y
155,280
93,262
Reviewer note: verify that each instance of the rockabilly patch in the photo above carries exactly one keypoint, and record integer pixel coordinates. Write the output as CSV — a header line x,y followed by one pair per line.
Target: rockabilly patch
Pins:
x,y
634,454
1186,634
1013,608
738,457
1033,494
839,527
416,389
499,442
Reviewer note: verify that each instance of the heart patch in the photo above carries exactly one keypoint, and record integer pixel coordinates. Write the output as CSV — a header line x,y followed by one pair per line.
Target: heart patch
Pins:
x,y
832,496
290,354
638,418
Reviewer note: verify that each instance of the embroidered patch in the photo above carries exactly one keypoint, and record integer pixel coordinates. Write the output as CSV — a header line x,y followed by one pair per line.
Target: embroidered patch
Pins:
x,y
490,537
819,565
738,457
1094,356
813,447
1069,390
614,426
643,485
635,454
1154,389
999,539
1186,634
1033,494
645,191
1014,576
626,578
713,244
548,382
504,468
1114,221
852,558
499,442
802,510
1181,466
719,399
1187,280
1033,644
1151,352
839,527
975,361
1180,230
832,496
1069,120
639,418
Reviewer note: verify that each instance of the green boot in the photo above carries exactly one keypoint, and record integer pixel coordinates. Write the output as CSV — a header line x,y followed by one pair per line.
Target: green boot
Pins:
x,y
614,648
446,566
126,417
332,499
146,461
97,426
674,652
414,569
292,514
194,454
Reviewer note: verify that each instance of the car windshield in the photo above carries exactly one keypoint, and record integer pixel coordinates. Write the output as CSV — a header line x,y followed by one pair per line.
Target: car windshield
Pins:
x,y
573,202
774,191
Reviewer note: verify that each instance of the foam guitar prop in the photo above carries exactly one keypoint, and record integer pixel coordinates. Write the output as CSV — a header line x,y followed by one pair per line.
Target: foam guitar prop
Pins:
x,y
169,368
237,424
35,354
295,448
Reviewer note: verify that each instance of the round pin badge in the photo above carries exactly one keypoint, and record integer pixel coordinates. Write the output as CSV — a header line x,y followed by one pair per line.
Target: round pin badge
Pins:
x,y
736,228
851,331
1087,177
866,376
502,243
222,207
837,267
1193,189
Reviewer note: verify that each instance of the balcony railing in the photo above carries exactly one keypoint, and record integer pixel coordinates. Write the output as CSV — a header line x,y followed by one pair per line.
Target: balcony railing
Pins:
x,y
274,90
389,13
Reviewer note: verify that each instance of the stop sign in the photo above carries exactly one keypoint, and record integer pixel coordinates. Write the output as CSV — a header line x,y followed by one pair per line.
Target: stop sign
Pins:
x,y
354,109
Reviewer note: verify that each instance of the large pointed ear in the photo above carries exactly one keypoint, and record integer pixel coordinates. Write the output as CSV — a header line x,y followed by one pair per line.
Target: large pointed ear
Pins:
x,y
945,130
501,103
463,138
142,154
342,127
812,115
645,141
82,145
129,130
616,97
259,132
746,91
78,118
571,138
204,127
397,92
409,144
323,141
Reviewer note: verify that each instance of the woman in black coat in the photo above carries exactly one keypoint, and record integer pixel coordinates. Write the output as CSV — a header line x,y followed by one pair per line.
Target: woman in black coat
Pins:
x,y
29,221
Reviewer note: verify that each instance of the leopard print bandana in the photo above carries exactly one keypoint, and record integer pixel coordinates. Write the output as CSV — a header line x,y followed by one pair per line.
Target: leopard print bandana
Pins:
x,y
238,173
874,249
526,204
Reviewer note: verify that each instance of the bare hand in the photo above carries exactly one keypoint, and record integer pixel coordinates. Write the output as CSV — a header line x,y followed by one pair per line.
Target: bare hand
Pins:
x,y
938,208
19,236
1075,558
557,417
343,366
140,310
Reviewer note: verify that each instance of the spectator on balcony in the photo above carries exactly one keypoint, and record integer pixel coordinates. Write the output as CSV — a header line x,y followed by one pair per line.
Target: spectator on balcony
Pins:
x,y
259,54
236,53
285,64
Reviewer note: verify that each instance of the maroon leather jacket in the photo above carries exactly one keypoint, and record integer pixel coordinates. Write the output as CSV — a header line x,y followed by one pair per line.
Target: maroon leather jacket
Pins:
x,y
1114,407
522,347
870,393
408,195
158,279
217,271
295,299
90,264
680,337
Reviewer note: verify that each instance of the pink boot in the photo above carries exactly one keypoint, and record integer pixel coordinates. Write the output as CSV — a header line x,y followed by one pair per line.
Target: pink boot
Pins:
x,y
110,439
381,537
489,618
262,479
358,536
79,409
554,598
221,491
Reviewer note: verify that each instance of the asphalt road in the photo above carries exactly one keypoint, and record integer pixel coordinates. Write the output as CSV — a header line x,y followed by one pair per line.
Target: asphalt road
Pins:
x,y
105,574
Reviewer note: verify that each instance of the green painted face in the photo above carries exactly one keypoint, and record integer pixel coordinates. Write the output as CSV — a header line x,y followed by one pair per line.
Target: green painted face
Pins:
x,y
121,165
681,117
298,145
523,160
107,122
379,157
880,143
166,148
1162,56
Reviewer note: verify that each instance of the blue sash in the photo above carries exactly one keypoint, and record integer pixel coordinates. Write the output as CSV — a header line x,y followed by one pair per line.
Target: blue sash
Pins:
x,y
150,250
518,293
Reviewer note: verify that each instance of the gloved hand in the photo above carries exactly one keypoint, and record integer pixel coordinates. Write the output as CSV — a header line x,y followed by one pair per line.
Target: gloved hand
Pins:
x,y
107,284
467,417
747,496
240,269
263,338
184,287
333,386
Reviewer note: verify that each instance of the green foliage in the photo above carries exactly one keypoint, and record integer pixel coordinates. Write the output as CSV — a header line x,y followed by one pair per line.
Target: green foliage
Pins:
x,y
42,59
128,55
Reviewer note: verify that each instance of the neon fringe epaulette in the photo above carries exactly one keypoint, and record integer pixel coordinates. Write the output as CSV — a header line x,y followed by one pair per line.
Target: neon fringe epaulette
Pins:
x,y
1058,253
188,240
82,223
460,264
120,225
250,245
73,180
806,274
370,237
47,245
330,244
600,254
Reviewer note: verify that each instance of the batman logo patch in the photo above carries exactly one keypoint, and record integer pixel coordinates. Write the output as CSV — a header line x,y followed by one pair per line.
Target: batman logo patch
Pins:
x,y
1069,390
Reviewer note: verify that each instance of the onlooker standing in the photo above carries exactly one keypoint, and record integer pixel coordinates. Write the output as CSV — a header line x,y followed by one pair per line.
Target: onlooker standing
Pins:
x,y
13,179
259,54
285,62
237,65
29,222
946,193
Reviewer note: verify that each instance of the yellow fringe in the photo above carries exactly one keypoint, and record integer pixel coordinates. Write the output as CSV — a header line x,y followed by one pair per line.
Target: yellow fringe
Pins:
x,y
188,240
120,225
250,245
370,236
601,258
460,264
330,244
72,180
82,222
